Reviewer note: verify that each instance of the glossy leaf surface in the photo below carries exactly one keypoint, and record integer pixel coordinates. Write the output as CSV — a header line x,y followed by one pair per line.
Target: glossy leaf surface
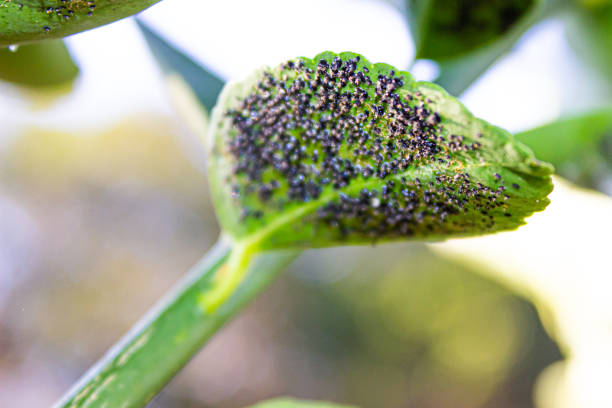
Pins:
x,y
335,150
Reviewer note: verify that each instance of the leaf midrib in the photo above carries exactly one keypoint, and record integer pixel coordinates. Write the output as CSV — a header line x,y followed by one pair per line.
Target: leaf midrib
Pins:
x,y
256,239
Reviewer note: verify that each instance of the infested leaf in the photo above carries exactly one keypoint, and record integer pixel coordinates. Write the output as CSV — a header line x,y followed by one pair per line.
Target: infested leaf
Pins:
x,y
38,65
205,84
293,403
25,21
336,150
580,147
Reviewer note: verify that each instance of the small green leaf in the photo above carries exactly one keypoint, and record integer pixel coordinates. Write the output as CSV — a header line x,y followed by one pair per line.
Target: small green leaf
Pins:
x,y
205,84
580,147
23,21
589,31
293,403
456,74
38,65
336,150
444,29
449,33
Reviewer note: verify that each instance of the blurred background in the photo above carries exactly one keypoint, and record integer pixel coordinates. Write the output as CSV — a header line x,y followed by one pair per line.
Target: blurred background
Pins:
x,y
104,205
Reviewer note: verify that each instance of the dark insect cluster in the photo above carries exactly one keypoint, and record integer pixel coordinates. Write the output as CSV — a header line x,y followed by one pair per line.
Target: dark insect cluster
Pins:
x,y
64,10
70,7
350,134
412,207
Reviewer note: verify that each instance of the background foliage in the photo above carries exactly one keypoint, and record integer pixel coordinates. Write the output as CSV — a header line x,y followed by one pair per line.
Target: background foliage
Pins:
x,y
104,204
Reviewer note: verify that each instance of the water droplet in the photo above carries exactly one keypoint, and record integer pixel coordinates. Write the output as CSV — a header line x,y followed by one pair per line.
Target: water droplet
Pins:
x,y
13,47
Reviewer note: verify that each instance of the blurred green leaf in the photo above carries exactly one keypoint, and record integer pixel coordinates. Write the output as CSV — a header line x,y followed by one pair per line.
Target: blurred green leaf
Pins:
x,y
444,29
457,74
580,147
23,21
425,168
205,84
565,139
38,65
293,403
466,37
589,31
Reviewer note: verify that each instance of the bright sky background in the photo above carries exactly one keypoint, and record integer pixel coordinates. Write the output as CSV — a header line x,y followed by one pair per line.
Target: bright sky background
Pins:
x,y
119,77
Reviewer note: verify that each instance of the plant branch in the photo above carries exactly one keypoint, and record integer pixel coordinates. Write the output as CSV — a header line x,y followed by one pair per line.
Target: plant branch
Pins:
x,y
143,362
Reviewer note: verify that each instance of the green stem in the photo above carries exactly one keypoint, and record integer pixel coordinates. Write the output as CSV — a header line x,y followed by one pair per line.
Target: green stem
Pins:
x,y
143,362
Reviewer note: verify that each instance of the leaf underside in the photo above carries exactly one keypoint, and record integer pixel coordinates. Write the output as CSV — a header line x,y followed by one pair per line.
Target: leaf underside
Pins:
x,y
336,150
24,21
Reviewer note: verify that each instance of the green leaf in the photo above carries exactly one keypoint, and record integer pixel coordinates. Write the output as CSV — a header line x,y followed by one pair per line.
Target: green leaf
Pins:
x,y
580,147
205,84
38,65
336,150
293,403
465,54
23,21
456,74
589,31
444,29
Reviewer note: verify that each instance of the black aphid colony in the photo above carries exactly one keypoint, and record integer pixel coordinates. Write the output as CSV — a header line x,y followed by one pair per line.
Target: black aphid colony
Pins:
x,y
363,147
66,9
